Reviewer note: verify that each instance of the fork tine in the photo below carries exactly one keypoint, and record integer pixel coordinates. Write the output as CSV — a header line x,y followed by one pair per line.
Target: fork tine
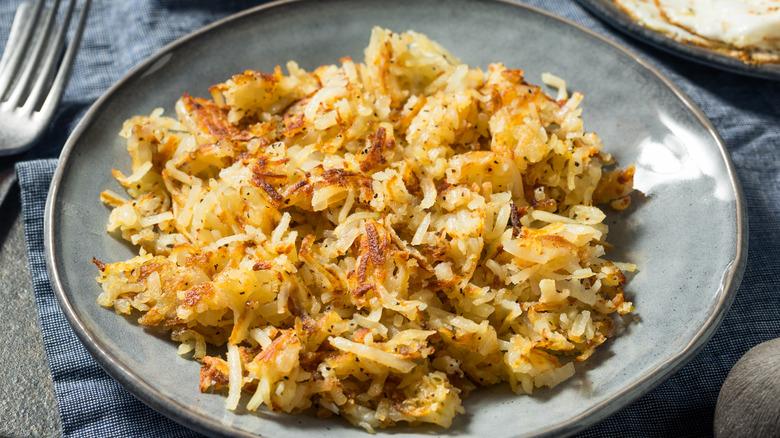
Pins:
x,y
19,27
49,62
21,34
61,80
33,58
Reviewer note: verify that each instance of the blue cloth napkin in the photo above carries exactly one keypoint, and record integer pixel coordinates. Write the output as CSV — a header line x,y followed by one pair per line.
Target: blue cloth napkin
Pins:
x,y
745,111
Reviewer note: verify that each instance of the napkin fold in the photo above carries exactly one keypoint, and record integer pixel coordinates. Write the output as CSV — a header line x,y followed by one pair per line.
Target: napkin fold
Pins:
x,y
744,110
91,402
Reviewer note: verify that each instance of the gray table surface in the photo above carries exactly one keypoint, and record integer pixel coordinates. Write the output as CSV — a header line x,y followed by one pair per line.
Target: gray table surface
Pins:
x,y
28,407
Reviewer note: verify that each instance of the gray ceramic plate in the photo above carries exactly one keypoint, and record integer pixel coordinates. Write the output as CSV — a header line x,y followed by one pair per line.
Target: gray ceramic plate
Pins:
x,y
614,16
688,236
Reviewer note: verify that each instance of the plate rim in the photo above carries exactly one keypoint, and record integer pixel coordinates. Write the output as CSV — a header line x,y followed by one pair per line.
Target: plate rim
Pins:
x,y
615,18
176,411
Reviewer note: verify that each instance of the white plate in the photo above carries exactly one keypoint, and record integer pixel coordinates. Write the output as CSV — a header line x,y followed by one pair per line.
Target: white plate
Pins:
x,y
688,237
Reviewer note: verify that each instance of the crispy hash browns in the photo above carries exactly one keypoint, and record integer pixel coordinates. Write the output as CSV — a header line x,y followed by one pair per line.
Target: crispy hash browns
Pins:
x,y
371,240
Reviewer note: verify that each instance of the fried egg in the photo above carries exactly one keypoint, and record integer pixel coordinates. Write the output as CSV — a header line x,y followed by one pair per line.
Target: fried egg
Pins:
x,y
741,24
746,29
646,12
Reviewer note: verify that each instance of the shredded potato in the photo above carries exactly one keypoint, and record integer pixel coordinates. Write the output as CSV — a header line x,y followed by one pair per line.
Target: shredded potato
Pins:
x,y
373,240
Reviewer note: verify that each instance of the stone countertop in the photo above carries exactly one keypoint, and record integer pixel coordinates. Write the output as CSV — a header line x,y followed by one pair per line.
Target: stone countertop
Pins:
x,y
28,407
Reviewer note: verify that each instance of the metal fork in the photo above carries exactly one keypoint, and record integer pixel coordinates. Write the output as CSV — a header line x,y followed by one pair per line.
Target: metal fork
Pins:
x,y
34,72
